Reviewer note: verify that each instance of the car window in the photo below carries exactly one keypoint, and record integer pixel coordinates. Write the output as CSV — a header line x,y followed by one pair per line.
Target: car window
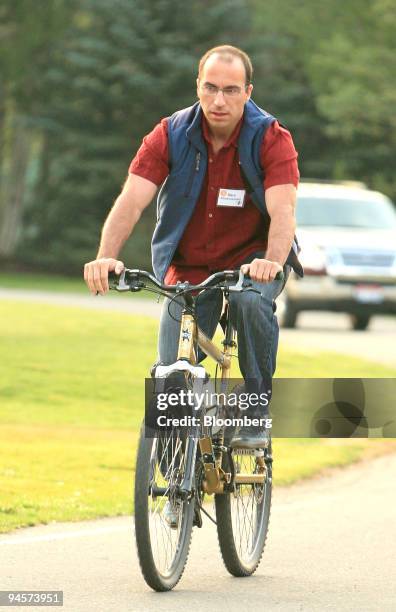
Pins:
x,y
336,212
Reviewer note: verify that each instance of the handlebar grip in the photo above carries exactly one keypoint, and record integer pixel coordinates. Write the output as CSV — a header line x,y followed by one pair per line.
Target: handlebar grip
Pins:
x,y
113,276
114,280
279,276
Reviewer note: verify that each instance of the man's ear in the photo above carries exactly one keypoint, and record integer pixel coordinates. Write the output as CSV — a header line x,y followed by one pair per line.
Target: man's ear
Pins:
x,y
197,87
249,91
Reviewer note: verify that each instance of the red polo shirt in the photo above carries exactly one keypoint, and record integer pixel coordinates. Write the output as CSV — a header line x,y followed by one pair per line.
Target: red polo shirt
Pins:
x,y
219,237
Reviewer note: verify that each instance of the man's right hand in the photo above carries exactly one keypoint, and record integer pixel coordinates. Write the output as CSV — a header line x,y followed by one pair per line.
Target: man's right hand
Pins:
x,y
96,273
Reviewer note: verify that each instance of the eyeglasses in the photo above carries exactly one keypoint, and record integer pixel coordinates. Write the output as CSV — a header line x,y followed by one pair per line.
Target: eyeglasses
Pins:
x,y
212,90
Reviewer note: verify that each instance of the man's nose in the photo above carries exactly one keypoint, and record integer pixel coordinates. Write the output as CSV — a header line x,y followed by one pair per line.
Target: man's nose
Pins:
x,y
219,101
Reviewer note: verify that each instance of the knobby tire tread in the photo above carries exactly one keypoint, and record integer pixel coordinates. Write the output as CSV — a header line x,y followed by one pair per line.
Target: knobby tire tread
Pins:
x,y
142,532
225,535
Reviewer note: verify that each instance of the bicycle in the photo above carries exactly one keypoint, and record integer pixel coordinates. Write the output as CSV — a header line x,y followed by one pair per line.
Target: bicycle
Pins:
x,y
176,468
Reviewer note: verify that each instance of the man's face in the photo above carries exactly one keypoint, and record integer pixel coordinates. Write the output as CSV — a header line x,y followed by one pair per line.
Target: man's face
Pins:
x,y
223,111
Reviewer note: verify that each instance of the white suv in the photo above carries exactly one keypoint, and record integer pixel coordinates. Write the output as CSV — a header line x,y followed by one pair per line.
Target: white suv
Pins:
x,y
347,235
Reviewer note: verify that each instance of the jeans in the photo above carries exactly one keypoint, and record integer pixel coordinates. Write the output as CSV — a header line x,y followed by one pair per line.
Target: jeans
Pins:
x,y
251,314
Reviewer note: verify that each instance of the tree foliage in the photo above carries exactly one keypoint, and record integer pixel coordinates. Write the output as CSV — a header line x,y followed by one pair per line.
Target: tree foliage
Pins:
x,y
341,60
119,67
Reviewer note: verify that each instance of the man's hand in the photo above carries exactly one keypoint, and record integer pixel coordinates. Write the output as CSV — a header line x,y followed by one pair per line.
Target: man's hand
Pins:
x,y
262,270
96,273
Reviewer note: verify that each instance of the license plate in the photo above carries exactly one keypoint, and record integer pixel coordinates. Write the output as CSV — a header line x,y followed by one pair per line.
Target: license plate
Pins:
x,y
369,294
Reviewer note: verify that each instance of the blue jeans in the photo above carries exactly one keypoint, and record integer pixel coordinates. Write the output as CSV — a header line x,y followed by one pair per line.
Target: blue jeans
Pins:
x,y
251,314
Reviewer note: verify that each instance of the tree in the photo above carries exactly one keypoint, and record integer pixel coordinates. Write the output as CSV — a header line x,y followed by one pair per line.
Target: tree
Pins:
x,y
121,66
27,37
331,73
353,76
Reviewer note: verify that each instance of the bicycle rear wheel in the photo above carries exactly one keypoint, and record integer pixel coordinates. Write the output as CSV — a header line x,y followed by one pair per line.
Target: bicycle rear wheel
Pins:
x,y
162,545
243,515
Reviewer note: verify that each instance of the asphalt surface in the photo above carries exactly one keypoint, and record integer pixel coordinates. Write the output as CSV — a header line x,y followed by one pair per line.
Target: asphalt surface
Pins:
x,y
316,330
331,546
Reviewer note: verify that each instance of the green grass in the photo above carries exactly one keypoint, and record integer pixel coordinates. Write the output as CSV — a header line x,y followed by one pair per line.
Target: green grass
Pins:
x,y
43,282
71,402
301,458
64,474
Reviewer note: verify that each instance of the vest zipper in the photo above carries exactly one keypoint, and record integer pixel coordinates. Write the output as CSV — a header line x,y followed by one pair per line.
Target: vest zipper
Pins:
x,y
191,177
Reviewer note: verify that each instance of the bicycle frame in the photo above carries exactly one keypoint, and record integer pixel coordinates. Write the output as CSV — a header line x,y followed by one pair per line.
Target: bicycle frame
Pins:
x,y
216,480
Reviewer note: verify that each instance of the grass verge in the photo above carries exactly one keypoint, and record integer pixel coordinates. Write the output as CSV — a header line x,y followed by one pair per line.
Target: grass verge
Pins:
x,y
42,282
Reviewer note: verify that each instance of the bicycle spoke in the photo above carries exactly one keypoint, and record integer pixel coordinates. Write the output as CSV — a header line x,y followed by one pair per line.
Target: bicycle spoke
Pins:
x,y
247,509
167,467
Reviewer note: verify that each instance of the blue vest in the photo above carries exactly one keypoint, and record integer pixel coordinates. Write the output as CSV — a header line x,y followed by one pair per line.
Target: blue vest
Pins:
x,y
188,160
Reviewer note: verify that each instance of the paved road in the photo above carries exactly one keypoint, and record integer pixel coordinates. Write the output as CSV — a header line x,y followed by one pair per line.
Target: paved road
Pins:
x,y
320,331
331,546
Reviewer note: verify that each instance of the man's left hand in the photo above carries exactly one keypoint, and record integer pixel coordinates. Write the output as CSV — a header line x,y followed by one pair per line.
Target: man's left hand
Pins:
x,y
262,270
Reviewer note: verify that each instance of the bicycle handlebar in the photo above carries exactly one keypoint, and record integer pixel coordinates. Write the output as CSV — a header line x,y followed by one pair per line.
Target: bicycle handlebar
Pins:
x,y
130,280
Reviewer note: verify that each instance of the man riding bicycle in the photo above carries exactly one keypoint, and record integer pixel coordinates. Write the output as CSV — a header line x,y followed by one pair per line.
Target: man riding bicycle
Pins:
x,y
228,201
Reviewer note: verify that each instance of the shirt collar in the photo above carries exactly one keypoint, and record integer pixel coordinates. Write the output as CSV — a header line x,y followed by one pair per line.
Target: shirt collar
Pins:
x,y
233,139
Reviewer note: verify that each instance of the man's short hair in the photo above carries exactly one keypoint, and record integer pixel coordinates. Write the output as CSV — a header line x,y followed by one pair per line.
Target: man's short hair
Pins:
x,y
229,52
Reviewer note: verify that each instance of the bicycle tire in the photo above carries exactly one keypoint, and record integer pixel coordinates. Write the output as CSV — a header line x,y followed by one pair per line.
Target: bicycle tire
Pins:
x,y
230,544
155,576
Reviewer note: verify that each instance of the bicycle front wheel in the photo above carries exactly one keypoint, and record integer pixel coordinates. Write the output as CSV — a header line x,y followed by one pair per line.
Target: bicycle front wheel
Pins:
x,y
163,520
243,515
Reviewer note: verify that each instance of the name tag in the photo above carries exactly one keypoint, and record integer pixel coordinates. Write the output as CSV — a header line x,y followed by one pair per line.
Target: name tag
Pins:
x,y
234,198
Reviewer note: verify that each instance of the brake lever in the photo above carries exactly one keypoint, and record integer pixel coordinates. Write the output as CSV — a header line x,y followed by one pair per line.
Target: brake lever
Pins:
x,y
239,285
123,286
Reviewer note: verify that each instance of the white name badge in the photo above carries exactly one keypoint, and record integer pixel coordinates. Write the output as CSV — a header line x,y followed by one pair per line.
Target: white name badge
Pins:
x,y
235,198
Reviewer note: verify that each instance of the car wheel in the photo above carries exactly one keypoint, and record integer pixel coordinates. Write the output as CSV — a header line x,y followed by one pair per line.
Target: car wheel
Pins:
x,y
360,321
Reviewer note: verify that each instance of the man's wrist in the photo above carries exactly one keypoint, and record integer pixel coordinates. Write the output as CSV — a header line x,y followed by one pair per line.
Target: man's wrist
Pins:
x,y
106,255
275,259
